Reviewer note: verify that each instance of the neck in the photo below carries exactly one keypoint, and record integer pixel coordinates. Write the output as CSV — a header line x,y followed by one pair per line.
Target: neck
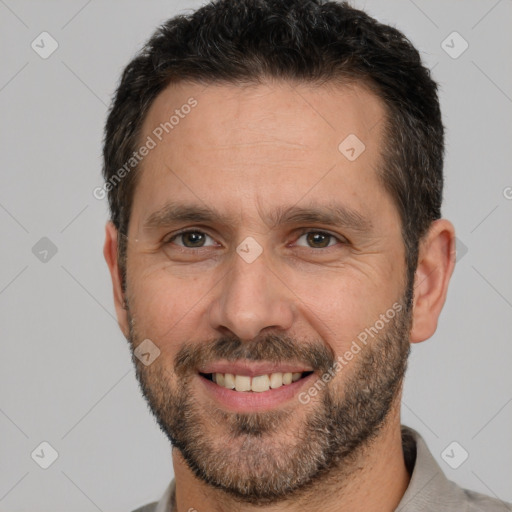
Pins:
x,y
375,482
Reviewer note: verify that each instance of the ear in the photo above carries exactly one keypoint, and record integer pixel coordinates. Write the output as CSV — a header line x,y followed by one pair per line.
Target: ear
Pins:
x,y
436,261
110,251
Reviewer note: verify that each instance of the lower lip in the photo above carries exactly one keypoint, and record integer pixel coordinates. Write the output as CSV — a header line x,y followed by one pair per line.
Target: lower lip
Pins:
x,y
250,401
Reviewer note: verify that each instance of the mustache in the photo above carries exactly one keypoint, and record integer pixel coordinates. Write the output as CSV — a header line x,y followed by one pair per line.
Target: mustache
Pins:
x,y
270,348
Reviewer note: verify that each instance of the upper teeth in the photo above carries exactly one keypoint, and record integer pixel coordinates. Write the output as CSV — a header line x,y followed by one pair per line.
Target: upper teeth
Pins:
x,y
258,383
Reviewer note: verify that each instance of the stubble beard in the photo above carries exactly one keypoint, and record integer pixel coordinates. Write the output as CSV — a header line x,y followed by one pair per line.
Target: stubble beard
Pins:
x,y
266,457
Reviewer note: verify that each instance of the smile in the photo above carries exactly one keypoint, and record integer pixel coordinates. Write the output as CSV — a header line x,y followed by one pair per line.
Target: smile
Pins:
x,y
250,386
256,383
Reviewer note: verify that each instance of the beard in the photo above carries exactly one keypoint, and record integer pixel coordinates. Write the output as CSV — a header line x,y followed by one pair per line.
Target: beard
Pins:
x,y
268,456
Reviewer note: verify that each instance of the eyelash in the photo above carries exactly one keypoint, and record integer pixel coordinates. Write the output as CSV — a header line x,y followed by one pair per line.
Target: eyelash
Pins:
x,y
340,240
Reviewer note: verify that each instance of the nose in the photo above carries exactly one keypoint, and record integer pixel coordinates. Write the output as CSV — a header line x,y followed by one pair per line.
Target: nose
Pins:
x,y
251,298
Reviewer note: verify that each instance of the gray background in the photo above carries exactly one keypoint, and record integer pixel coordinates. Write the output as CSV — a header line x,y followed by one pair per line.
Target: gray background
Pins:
x,y
66,373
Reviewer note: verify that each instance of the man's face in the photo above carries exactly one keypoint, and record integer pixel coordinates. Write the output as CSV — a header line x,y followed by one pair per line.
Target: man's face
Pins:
x,y
267,281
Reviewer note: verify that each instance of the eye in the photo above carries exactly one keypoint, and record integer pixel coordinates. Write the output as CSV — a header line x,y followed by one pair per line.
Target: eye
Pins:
x,y
318,240
190,239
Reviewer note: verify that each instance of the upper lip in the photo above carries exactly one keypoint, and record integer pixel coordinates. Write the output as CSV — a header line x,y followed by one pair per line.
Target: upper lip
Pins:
x,y
253,368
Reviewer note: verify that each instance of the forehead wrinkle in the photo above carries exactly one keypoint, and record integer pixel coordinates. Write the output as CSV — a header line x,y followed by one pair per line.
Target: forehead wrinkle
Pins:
x,y
270,142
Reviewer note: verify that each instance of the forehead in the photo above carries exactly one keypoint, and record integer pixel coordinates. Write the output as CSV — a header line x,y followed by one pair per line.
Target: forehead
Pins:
x,y
274,142
298,113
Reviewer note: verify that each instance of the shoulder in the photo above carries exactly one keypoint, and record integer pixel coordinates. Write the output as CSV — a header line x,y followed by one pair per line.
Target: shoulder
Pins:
x,y
150,507
430,489
480,502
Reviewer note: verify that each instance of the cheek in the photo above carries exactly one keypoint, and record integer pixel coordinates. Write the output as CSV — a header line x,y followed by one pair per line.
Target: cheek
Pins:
x,y
166,307
341,306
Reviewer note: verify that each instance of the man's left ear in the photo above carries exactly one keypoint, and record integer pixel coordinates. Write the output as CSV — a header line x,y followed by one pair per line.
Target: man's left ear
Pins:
x,y
436,261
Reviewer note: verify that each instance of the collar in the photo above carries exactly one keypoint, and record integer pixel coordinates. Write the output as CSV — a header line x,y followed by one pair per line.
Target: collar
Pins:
x,y
428,489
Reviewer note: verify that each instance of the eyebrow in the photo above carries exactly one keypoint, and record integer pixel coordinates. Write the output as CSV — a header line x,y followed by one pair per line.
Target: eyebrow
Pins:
x,y
330,214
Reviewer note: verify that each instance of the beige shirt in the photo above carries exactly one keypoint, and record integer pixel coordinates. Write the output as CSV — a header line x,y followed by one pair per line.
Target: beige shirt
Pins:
x,y
428,490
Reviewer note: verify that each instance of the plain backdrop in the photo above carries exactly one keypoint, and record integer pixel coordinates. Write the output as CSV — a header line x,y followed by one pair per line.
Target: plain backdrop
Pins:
x,y
65,368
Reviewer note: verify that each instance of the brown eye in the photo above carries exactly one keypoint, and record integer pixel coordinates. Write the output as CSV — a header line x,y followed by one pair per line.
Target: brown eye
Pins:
x,y
317,239
190,239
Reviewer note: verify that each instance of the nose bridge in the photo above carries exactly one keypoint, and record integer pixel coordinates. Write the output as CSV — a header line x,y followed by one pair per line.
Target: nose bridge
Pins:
x,y
251,298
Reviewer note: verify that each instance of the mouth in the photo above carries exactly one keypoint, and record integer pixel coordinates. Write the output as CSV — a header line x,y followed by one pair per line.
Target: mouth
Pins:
x,y
256,383
253,385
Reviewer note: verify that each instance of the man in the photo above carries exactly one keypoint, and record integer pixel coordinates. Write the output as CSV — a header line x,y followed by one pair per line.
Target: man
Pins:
x,y
274,170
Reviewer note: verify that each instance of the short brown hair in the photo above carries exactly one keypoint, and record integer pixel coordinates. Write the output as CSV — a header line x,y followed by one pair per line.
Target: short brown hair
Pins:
x,y
246,41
